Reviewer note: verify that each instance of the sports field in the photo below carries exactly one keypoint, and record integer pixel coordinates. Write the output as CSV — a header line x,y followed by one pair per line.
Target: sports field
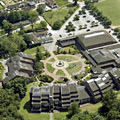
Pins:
x,y
111,9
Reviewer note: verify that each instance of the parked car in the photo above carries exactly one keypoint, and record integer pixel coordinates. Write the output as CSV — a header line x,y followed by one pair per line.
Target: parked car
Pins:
x,y
88,30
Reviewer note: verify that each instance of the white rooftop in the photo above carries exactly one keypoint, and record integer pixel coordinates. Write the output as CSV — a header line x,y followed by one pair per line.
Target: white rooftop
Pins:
x,y
101,84
94,34
91,80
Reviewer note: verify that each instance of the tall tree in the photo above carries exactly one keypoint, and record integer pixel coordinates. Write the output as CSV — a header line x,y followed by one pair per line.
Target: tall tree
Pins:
x,y
7,26
40,10
74,109
33,15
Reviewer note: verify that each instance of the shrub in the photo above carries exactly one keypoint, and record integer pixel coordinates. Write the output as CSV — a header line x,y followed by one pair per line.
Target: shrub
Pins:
x,y
45,78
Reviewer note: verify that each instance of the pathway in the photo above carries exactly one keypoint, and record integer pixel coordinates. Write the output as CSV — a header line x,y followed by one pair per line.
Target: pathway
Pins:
x,y
56,77
51,116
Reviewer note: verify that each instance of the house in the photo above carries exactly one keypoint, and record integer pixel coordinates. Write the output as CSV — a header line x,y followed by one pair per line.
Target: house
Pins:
x,y
51,3
21,65
57,97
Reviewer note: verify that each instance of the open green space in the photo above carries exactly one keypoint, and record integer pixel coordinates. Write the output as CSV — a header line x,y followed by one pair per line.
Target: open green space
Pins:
x,y
50,68
111,9
32,51
60,72
92,108
74,67
60,116
52,60
67,58
58,14
25,108
61,2
1,71
70,50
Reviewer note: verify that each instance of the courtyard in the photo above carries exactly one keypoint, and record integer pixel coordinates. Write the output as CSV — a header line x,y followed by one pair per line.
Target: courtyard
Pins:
x,y
64,65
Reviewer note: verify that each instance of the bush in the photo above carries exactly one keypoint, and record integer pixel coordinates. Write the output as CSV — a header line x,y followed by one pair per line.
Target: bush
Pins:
x,y
45,78
57,25
39,66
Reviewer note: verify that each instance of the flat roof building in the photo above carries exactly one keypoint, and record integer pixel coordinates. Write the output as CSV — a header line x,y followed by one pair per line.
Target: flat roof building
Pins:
x,y
95,39
58,97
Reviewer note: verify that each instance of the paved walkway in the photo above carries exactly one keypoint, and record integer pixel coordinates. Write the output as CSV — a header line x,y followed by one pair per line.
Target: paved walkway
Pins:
x,y
56,77
51,116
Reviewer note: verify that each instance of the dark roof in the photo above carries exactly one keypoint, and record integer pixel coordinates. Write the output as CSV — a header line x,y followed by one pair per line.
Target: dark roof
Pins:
x,y
101,56
95,39
82,93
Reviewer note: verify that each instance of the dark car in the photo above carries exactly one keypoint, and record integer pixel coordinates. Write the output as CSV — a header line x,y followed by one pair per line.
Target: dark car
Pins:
x,y
88,30
84,16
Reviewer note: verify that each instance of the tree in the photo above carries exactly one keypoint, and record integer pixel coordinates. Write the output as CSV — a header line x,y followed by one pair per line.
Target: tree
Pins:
x,y
33,15
57,25
18,86
39,66
76,17
7,26
43,25
109,102
14,16
27,39
40,10
74,109
75,2
39,55
19,40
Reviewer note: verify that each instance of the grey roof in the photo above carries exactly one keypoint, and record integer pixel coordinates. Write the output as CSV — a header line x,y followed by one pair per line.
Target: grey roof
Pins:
x,y
20,65
101,56
82,93
94,39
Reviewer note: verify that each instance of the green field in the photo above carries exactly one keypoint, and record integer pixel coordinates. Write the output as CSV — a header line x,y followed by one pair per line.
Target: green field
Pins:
x,y
25,108
60,116
32,51
52,60
58,14
67,58
111,9
60,72
50,68
61,2
74,67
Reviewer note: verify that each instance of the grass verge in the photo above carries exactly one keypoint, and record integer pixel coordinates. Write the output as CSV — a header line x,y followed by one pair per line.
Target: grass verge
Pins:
x,y
50,68
25,108
60,73
74,68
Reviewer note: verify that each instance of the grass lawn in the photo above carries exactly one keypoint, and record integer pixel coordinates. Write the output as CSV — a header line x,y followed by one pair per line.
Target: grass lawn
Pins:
x,y
52,60
1,71
111,9
62,2
58,14
35,26
60,72
69,49
74,67
50,68
32,51
60,116
25,108
67,58
91,107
